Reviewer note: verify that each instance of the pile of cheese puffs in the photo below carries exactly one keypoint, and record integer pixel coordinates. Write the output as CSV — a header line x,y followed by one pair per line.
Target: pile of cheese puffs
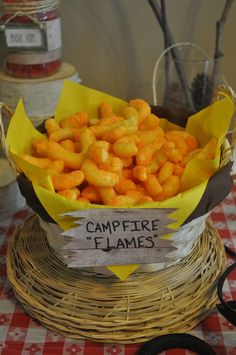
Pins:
x,y
116,160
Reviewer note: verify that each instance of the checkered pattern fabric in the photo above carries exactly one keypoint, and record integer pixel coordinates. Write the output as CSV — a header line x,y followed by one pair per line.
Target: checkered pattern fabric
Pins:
x,y
20,334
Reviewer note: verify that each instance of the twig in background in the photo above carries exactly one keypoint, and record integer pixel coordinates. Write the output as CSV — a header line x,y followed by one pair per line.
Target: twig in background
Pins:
x,y
167,55
174,52
218,43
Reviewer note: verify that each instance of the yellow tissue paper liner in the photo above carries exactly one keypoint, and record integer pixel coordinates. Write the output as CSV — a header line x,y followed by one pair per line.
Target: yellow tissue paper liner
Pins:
x,y
211,122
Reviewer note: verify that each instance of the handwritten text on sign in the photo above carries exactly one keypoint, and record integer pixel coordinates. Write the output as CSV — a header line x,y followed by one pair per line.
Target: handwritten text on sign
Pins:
x,y
118,236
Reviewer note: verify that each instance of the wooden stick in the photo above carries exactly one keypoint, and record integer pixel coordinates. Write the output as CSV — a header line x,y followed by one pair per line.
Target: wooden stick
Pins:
x,y
167,55
169,38
218,43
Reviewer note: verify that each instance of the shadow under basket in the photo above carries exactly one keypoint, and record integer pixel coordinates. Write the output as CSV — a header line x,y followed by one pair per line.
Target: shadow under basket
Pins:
x,y
83,305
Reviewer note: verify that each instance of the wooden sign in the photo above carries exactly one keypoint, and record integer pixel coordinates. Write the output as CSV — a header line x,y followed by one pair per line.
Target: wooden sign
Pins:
x,y
117,236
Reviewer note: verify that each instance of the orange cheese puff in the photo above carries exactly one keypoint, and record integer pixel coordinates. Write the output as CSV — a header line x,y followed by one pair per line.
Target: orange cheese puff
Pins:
x,y
153,186
40,146
152,136
105,109
55,167
51,125
130,112
141,106
123,200
134,193
78,120
68,144
106,193
145,154
98,177
55,152
191,155
90,193
178,170
174,155
113,164
125,147
144,199
72,194
149,123
114,134
168,145
62,133
68,181
98,152
98,130
140,172
166,170
40,162
110,120
179,141
159,158
170,188
86,138
83,199
208,152
124,185
190,140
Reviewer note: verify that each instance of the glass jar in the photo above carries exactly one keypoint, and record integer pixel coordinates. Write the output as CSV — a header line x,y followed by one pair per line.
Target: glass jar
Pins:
x,y
185,79
32,38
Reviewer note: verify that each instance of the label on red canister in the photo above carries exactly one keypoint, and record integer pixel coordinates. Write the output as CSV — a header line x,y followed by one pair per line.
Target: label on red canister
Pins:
x,y
45,36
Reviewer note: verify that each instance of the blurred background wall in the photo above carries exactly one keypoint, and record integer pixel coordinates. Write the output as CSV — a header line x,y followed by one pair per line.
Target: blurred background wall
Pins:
x,y
114,44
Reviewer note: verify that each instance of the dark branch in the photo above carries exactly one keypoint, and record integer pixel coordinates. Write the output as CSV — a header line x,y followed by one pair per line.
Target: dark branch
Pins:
x,y
220,24
174,52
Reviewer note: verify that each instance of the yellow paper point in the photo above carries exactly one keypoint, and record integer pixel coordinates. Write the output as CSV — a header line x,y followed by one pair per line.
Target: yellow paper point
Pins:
x,y
123,271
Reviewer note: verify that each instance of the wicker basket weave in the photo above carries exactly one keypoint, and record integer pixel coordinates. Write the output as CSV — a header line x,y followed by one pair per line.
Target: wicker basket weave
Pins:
x,y
103,309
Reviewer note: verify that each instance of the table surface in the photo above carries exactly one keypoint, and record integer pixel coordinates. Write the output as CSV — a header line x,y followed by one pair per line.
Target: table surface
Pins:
x,y
20,334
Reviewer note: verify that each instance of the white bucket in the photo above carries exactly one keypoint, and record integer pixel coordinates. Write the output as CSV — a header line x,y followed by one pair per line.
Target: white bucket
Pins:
x,y
11,200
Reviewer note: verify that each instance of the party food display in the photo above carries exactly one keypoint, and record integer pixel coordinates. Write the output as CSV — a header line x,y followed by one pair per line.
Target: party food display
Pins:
x,y
126,159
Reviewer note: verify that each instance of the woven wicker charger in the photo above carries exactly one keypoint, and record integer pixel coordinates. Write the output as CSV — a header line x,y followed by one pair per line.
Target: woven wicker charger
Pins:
x,y
81,305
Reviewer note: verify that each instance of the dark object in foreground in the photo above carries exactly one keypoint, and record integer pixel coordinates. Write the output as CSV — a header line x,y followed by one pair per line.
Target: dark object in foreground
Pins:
x,y
176,341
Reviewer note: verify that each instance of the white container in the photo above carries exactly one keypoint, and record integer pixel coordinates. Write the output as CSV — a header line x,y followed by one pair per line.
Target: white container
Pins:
x,y
40,96
11,200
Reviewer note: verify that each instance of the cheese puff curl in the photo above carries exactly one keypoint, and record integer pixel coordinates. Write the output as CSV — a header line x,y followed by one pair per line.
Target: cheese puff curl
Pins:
x,y
105,109
68,180
68,144
51,125
149,123
153,186
71,194
124,185
98,177
165,172
107,194
62,133
78,120
170,188
125,147
140,172
98,152
91,193
141,106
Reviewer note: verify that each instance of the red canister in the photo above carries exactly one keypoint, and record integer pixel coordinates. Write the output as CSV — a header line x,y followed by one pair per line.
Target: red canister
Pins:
x,y
32,37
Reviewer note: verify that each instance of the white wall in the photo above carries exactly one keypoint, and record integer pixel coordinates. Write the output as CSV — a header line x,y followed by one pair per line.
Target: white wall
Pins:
x,y
114,43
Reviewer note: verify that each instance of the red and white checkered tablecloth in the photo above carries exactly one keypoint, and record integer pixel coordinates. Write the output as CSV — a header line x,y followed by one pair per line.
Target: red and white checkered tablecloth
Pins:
x,y
20,334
